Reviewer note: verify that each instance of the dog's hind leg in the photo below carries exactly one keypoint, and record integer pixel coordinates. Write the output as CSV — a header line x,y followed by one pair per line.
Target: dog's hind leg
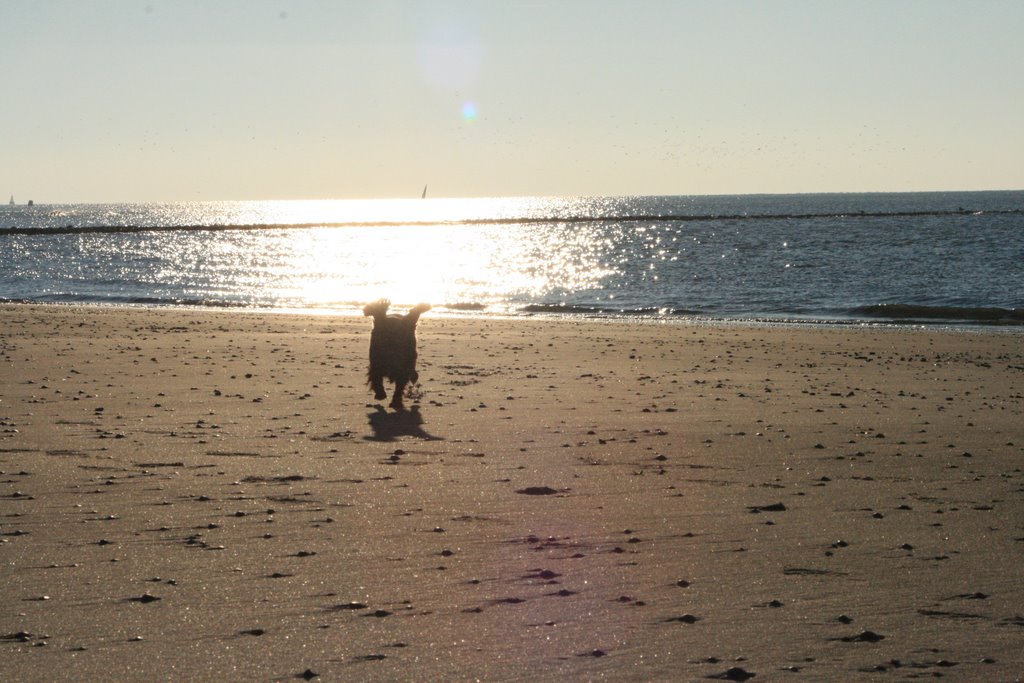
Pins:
x,y
398,395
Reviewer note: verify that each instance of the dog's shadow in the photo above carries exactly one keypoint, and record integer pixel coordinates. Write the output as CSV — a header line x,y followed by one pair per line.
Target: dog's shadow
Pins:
x,y
388,426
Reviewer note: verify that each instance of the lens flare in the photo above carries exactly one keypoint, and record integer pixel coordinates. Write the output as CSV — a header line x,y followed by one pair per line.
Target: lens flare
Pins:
x,y
449,56
469,111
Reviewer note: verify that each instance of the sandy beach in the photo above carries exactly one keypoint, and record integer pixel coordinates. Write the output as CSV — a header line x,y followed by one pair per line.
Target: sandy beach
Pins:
x,y
196,495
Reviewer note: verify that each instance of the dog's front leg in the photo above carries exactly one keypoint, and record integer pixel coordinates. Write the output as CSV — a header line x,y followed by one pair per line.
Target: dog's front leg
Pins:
x,y
377,384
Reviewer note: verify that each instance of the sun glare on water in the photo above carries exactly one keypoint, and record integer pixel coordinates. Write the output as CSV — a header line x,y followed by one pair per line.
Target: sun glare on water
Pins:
x,y
412,251
406,264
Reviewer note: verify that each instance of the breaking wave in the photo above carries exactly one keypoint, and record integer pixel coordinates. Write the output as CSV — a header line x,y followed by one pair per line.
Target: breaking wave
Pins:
x,y
990,315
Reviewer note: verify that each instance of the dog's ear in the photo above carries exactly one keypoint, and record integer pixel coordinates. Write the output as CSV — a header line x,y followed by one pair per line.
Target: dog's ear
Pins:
x,y
377,309
414,315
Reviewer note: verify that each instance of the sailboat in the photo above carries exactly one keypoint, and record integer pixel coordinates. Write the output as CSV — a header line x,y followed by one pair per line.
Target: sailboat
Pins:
x,y
424,195
12,198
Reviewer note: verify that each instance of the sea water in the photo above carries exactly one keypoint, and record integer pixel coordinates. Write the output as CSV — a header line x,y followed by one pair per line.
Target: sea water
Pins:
x,y
949,258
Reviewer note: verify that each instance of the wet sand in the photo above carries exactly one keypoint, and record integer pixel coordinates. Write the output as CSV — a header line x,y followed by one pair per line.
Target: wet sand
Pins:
x,y
215,495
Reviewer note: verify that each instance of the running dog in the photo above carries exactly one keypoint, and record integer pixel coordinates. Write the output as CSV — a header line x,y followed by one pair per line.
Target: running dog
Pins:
x,y
392,350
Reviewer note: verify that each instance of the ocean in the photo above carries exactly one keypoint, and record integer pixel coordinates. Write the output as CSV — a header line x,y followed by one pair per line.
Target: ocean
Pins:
x,y
939,258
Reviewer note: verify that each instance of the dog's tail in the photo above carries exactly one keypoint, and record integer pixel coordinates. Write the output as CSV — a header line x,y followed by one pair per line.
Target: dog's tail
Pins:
x,y
378,309
413,316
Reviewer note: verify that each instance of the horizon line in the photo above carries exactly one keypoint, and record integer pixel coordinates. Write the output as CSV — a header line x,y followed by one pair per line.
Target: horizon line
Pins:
x,y
485,197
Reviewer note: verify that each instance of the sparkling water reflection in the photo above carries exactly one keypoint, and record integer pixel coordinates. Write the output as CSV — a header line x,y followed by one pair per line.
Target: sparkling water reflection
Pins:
x,y
797,256
474,266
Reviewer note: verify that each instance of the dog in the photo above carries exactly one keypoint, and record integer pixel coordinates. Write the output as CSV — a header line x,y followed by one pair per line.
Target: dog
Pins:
x,y
393,350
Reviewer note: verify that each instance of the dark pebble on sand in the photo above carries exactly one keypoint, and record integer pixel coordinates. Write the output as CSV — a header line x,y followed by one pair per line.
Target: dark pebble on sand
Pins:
x,y
380,614
684,619
145,598
734,674
253,632
309,674
863,637
537,491
774,507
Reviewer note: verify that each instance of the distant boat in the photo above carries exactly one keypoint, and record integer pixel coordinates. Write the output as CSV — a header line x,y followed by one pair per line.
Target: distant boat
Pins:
x,y
31,203
12,198
423,196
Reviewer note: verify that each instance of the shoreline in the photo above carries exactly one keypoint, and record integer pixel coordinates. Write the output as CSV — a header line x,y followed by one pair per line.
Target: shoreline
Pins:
x,y
195,493
470,312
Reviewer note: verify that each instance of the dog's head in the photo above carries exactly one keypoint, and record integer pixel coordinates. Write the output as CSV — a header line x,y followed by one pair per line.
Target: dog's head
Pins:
x,y
379,311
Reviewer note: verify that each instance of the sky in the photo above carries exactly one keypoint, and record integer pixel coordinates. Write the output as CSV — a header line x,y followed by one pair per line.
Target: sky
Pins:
x,y
181,100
